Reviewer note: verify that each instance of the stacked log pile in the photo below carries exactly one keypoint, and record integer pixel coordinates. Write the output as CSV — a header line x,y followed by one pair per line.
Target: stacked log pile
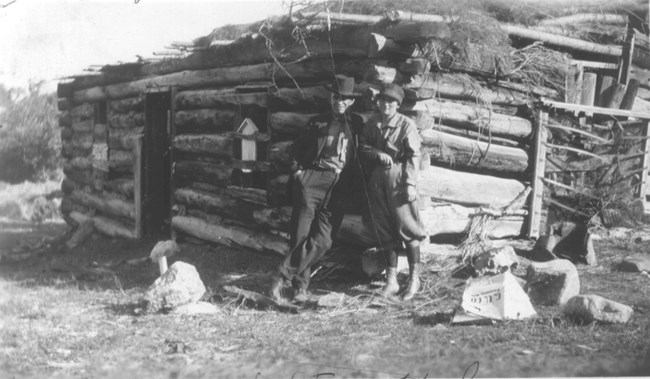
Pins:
x,y
475,118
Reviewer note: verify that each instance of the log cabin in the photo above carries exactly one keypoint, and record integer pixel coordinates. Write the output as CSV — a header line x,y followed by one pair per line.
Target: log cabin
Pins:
x,y
196,146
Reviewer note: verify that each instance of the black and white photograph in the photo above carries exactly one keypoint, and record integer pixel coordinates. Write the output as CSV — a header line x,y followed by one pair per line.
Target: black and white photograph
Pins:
x,y
197,189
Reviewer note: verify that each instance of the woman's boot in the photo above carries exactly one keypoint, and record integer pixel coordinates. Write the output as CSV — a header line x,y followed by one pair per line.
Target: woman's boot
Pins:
x,y
413,256
413,283
275,289
391,287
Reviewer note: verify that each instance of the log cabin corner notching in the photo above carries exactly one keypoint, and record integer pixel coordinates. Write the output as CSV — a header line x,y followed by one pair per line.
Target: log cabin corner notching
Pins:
x,y
197,146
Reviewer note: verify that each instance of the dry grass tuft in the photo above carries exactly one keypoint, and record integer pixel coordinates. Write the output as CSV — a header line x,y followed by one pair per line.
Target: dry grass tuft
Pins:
x,y
476,240
539,66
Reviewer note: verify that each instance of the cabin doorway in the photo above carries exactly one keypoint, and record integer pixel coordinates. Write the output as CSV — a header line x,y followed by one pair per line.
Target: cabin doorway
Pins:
x,y
156,167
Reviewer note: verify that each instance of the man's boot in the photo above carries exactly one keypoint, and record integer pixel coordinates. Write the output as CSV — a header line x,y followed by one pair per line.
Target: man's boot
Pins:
x,y
275,289
301,295
413,283
391,287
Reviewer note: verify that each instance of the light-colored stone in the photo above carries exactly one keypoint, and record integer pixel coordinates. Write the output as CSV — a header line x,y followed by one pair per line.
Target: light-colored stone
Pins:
x,y
178,286
440,328
589,308
635,264
198,308
331,300
496,261
553,282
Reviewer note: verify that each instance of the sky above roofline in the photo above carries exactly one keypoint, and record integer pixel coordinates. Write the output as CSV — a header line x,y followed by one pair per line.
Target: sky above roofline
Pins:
x,y
47,40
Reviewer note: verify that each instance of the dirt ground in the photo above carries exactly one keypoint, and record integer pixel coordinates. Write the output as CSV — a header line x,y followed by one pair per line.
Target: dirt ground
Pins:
x,y
71,314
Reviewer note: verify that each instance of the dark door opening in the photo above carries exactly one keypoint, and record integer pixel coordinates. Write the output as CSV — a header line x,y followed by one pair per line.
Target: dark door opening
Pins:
x,y
157,164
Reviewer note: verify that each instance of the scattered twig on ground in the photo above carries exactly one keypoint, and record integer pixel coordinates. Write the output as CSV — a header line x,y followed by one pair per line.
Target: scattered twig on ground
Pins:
x,y
261,299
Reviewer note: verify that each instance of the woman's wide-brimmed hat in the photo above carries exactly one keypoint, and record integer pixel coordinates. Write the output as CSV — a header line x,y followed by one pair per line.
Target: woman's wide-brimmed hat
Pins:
x,y
344,86
392,91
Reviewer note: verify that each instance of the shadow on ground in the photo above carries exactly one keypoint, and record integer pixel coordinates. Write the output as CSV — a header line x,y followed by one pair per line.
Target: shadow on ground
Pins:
x,y
103,263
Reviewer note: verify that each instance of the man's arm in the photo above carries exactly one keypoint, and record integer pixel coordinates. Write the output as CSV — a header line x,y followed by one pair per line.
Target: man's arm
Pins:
x,y
298,147
368,141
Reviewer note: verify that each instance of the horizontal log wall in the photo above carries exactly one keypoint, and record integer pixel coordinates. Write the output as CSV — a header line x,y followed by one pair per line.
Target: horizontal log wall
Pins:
x,y
503,153
126,120
206,165
464,141
77,138
105,225
229,235
89,194
471,117
454,151
288,119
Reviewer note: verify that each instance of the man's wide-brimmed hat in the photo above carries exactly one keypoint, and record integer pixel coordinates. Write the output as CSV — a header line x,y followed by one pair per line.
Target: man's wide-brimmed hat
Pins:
x,y
343,86
392,91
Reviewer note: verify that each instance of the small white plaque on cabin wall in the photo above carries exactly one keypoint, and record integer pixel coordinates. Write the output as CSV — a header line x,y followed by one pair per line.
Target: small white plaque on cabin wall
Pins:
x,y
248,147
100,156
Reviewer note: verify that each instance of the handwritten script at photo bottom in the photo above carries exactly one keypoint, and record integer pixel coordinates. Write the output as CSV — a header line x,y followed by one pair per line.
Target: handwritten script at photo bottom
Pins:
x,y
470,372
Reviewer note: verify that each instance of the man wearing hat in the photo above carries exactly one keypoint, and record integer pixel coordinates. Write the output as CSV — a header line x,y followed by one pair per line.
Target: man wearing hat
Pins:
x,y
390,141
323,173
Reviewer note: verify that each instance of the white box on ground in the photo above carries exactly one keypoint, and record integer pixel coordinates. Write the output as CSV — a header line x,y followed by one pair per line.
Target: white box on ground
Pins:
x,y
498,297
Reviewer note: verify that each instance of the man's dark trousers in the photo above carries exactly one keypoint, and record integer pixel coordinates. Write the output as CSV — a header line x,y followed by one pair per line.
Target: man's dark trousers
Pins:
x,y
316,218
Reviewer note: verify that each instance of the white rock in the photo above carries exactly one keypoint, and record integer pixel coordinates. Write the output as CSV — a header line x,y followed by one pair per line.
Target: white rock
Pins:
x,y
178,286
589,308
331,300
553,282
199,308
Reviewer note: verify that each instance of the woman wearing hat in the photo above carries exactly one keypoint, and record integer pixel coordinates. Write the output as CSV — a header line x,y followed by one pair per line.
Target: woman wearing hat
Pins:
x,y
320,181
390,141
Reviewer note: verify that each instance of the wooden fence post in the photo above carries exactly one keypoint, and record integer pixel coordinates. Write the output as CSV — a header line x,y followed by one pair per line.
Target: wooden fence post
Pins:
x,y
538,175
644,191
137,183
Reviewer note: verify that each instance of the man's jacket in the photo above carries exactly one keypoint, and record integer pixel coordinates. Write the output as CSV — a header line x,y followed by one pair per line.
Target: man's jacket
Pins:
x,y
306,149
